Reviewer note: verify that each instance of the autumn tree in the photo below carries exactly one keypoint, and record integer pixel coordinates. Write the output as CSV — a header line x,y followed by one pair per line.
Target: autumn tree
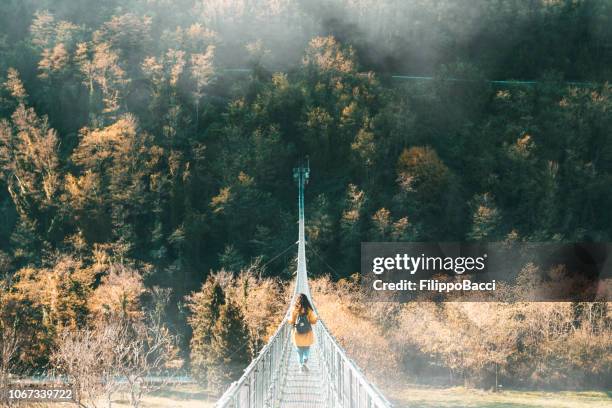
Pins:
x,y
99,66
232,317
205,307
118,164
29,161
202,72
119,294
50,298
327,54
352,224
486,219
424,182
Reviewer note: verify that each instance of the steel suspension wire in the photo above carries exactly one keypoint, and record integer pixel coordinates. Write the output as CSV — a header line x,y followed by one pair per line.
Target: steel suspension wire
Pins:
x,y
406,77
275,257
331,268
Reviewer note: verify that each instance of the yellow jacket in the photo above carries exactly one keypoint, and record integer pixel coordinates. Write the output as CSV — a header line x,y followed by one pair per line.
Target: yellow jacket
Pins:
x,y
303,339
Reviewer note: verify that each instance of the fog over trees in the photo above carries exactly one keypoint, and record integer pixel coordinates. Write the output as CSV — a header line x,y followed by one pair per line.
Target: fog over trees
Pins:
x,y
147,146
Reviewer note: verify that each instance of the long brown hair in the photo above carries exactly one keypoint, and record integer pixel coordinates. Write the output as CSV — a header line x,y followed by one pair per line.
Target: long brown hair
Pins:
x,y
302,302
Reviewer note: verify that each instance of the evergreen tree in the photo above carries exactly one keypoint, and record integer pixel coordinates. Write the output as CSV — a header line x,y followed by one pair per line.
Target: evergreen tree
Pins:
x,y
228,352
424,183
231,260
486,219
351,225
205,307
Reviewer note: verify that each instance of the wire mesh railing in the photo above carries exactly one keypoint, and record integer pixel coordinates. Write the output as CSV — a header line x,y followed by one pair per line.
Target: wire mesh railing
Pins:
x,y
260,384
347,385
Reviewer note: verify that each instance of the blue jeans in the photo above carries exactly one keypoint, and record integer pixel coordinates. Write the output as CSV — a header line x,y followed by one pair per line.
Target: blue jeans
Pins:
x,y
303,354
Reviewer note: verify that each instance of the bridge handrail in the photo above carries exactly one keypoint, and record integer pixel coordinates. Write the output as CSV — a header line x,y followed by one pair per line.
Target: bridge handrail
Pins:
x,y
335,358
374,397
281,334
231,396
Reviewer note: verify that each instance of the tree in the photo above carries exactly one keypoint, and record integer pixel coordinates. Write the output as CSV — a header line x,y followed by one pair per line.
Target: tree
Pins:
x,y
56,41
232,317
42,28
43,301
205,307
53,61
228,353
485,220
83,356
11,339
419,169
99,65
145,349
262,302
351,225
231,260
328,55
424,182
61,291
96,360
119,294
15,86
365,147
319,229
128,33
29,159
118,163
122,344
385,229
202,72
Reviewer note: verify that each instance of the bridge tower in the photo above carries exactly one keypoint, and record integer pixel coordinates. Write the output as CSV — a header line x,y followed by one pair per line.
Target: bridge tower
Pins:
x,y
301,175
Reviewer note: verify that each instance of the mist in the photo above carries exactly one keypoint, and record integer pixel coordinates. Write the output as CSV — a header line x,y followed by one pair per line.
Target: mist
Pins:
x,y
412,37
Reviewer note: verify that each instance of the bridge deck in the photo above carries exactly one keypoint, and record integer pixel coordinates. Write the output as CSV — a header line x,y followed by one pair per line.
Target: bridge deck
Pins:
x,y
303,389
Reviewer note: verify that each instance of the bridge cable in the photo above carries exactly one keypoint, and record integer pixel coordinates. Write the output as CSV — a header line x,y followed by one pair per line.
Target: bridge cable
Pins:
x,y
278,255
336,274
261,267
407,77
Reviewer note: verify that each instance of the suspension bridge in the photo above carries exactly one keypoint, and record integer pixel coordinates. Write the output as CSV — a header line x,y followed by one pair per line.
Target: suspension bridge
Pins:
x,y
274,379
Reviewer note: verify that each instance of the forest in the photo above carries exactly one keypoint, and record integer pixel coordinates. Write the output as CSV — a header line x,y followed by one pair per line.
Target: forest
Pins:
x,y
146,191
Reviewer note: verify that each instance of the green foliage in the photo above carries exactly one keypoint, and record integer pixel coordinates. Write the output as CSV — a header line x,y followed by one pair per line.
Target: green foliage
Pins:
x,y
125,139
228,352
231,260
424,183
232,316
486,219
205,307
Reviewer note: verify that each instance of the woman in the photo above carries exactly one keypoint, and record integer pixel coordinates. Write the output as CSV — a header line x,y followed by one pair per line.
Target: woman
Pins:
x,y
302,319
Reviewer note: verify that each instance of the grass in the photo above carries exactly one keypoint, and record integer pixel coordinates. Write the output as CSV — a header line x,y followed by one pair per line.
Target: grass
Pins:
x,y
180,396
409,396
458,397
183,396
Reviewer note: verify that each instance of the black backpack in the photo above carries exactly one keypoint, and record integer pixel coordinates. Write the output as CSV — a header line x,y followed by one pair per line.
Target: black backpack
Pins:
x,y
302,324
